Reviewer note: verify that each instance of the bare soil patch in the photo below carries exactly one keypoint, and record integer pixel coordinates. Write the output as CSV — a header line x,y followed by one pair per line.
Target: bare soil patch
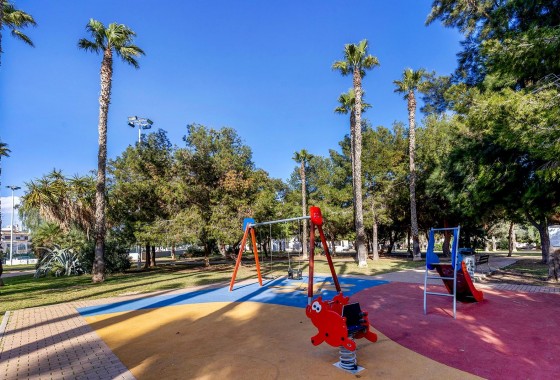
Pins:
x,y
527,271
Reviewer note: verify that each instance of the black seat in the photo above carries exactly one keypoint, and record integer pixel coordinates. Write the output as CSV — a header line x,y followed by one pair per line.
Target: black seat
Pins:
x,y
354,318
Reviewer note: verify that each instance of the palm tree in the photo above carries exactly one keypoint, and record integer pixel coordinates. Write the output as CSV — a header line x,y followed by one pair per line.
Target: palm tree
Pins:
x,y
116,38
356,61
66,202
303,157
346,105
4,152
14,19
412,81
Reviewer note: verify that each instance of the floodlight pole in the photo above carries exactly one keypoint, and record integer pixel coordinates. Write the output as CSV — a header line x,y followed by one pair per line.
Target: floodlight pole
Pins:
x,y
11,187
140,123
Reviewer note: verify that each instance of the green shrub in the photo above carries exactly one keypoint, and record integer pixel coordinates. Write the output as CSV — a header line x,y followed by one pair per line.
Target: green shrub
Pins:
x,y
116,257
194,251
503,244
59,262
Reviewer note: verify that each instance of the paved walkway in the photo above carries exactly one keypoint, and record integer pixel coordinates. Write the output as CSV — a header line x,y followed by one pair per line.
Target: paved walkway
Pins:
x,y
55,342
416,276
18,273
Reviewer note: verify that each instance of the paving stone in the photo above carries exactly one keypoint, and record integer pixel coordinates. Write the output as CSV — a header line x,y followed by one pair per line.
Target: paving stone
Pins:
x,y
54,342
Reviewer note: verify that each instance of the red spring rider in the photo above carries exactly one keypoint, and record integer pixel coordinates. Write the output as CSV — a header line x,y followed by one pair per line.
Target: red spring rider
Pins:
x,y
338,321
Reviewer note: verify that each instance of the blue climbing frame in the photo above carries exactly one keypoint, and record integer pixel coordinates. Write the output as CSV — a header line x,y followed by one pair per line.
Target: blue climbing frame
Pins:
x,y
432,258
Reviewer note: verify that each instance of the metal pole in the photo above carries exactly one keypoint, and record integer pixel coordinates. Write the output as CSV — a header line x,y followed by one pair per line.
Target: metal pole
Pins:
x,y
278,221
140,123
11,187
12,230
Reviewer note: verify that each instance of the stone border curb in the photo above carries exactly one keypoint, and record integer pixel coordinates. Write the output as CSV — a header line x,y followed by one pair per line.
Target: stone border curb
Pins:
x,y
4,323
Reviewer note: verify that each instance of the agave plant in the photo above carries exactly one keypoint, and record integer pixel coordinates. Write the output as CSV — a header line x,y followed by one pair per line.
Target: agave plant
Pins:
x,y
59,262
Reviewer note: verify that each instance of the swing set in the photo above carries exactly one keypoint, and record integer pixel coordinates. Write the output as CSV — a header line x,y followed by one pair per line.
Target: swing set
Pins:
x,y
338,321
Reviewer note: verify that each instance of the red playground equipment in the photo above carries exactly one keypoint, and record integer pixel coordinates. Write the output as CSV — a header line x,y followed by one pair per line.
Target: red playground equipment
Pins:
x,y
338,321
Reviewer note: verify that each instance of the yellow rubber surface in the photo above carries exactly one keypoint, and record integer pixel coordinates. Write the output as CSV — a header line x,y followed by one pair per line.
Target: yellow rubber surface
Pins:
x,y
246,341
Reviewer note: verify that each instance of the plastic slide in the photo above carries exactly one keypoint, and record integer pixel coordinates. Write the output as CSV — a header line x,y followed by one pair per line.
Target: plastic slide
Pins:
x,y
466,290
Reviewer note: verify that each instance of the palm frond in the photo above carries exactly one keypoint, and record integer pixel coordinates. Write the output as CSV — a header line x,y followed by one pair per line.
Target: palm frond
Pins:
x,y
363,45
95,27
302,156
20,36
341,109
370,61
356,58
120,35
347,101
117,37
15,18
400,86
130,60
411,80
4,150
127,54
89,45
132,50
98,32
342,66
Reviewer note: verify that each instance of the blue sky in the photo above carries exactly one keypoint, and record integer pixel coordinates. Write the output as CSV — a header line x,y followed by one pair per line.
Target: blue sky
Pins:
x,y
260,67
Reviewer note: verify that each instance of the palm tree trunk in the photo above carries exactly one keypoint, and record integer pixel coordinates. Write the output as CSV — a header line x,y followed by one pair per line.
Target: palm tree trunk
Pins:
x,y
361,250
304,210
1,19
416,256
353,158
100,201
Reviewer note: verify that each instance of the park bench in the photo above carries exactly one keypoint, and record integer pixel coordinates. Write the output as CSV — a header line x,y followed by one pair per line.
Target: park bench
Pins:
x,y
483,259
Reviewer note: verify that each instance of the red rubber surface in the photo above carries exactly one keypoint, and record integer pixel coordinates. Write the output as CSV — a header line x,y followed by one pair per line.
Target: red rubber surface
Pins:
x,y
506,336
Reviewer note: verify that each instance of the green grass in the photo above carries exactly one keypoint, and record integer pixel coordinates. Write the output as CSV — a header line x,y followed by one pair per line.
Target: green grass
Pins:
x,y
529,268
25,291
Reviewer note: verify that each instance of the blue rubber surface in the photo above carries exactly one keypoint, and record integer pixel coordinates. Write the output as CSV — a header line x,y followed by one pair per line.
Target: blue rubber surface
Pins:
x,y
280,292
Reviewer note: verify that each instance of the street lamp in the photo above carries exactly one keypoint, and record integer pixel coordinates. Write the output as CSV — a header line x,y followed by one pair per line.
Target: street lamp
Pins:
x,y
13,188
140,123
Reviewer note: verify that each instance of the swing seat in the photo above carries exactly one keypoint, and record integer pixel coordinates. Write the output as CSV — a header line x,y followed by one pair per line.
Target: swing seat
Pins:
x,y
296,274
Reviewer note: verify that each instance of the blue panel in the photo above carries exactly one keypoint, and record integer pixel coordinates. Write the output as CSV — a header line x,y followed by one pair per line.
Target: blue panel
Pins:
x,y
247,221
454,250
280,292
431,257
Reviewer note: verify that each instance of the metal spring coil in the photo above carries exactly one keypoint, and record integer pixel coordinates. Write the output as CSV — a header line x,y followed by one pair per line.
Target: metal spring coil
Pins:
x,y
347,359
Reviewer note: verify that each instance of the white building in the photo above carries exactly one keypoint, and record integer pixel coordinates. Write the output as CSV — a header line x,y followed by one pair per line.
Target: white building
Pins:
x,y
21,253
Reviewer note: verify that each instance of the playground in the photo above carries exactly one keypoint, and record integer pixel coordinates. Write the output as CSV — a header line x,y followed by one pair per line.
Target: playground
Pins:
x,y
253,331
301,327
